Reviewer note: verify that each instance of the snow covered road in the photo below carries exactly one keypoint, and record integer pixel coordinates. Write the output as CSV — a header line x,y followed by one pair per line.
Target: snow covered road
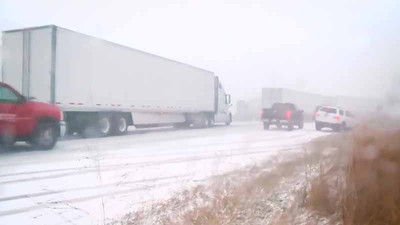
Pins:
x,y
93,181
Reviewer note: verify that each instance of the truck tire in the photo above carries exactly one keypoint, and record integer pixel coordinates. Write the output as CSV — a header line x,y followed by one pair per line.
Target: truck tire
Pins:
x,y
290,126
210,122
45,136
266,125
230,120
181,125
120,125
7,140
101,127
318,126
301,125
200,121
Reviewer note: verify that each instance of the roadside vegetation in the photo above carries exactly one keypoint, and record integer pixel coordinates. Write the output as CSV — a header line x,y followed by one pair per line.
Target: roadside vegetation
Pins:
x,y
347,178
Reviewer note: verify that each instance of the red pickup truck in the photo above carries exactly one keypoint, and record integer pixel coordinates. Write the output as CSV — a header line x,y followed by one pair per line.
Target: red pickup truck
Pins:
x,y
37,123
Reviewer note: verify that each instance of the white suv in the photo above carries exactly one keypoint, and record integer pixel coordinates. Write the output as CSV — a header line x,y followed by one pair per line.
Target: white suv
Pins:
x,y
336,118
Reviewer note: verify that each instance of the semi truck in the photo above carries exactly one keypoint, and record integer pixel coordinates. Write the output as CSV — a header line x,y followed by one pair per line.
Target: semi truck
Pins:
x,y
103,87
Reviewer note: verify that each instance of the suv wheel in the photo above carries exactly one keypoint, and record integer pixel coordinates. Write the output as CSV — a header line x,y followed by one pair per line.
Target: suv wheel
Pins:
x,y
343,126
337,127
318,126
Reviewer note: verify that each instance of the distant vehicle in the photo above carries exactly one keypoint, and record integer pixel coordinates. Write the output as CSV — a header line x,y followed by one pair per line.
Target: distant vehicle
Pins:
x,y
103,87
335,118
23,120
283,114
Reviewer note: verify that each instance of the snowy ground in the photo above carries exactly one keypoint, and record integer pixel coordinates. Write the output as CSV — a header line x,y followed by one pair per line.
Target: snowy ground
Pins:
x,y
92,181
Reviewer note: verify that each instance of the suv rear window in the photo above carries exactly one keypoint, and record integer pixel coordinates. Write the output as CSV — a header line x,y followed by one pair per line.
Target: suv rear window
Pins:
x,y
328,110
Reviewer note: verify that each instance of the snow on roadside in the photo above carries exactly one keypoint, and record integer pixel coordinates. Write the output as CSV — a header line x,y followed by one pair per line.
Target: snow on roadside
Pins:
x,y
94,181
274,192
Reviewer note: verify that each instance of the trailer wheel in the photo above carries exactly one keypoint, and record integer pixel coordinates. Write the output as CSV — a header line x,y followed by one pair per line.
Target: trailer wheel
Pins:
x,y
104,125
100,127
45,136
121,125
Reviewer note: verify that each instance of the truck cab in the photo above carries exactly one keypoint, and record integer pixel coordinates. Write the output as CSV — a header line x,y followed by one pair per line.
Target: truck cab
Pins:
x,y
223,109
27,120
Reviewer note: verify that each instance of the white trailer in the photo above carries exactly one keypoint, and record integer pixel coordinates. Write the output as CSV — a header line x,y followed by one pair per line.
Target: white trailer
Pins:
x,y
306,101
104,87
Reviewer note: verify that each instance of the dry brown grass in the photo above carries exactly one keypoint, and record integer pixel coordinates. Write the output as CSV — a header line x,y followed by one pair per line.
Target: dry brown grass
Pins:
x,y
363,184
372,192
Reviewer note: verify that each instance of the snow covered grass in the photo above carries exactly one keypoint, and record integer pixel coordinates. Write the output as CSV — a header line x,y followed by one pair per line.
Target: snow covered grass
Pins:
x,y
271,193
245,197
350,178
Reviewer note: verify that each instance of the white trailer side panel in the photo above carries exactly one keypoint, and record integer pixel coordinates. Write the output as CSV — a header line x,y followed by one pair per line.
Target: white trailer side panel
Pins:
x,y
270,96
95,73
40,64
27,61
305,101
13,59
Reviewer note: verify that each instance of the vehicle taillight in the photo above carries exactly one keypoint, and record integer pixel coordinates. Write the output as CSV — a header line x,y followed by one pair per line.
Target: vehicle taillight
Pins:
x,y
288,114
262,112
336,117
316,114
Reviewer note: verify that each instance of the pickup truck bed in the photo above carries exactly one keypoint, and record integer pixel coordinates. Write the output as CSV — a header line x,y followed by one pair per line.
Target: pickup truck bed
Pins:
x,y
283,114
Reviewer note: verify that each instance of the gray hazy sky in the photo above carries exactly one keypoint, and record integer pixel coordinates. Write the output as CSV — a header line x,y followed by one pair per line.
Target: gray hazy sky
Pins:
x,y
328,47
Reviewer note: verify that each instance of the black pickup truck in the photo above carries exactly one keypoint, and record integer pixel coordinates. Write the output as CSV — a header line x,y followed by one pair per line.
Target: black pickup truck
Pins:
x,y
283,114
